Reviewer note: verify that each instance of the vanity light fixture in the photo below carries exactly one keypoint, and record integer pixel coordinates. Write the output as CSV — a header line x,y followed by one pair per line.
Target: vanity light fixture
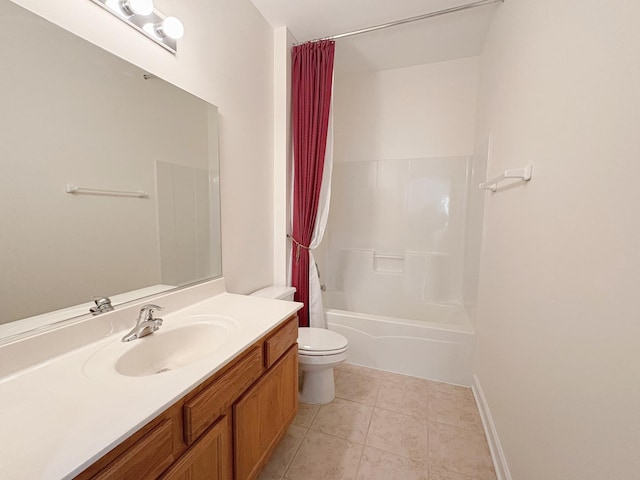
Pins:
x,y
170,27
141,15
137,7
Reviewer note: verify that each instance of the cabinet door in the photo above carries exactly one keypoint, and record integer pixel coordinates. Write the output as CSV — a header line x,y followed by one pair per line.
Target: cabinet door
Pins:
x,y
207,459
262,416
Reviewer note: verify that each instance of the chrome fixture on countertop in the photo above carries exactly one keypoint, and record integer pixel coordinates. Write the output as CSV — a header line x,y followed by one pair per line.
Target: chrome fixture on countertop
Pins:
x,y
145,324
103,304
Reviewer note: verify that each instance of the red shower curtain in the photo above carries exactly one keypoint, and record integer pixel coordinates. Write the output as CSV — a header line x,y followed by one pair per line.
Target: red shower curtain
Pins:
x,y
312,73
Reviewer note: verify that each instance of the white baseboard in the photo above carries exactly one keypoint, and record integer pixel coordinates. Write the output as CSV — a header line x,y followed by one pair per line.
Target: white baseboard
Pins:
x,y
497,454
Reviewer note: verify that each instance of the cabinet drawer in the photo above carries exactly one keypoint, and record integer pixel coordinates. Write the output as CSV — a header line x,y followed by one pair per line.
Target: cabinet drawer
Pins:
x,y
204,409
147,458
280,341
209,458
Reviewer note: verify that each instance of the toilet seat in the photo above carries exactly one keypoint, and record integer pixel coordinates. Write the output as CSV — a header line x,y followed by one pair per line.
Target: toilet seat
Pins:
x,y
320,342
321,361
321,353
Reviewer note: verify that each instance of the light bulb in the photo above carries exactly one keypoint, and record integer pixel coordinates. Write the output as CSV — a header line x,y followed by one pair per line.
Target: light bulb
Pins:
x,y
137,7
170,27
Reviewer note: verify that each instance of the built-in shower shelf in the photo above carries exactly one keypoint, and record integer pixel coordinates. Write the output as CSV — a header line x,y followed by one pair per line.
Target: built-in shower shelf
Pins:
x,y
385,263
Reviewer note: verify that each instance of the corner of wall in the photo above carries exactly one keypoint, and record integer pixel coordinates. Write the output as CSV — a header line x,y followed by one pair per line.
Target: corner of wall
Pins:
x,y
283,42
495,447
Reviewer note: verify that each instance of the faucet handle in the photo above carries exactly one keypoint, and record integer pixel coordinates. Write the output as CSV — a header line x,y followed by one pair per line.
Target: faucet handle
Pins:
x,y
146,312
151,306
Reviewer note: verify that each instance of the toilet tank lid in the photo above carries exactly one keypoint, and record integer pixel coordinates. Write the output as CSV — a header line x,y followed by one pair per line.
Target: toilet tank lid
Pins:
x,y
274,292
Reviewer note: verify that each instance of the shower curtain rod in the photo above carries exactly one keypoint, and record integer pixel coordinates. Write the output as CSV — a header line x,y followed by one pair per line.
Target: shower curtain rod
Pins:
x,y
437,13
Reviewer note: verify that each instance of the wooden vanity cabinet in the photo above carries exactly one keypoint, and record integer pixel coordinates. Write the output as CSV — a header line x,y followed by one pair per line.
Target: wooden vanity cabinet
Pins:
x,y
204,408
225,428
263,414
145,454
209,458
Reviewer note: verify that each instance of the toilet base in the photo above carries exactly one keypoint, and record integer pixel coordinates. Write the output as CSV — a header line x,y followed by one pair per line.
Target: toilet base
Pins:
x,y
317,386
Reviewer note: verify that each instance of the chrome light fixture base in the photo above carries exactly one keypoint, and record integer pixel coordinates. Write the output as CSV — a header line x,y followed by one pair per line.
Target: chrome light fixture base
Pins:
x,y
145,24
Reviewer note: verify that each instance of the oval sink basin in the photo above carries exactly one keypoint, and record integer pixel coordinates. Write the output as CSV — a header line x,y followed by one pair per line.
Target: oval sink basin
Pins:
x,y
165,350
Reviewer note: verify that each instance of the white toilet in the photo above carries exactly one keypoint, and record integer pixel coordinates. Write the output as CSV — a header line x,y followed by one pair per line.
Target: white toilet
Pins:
x,y
319,350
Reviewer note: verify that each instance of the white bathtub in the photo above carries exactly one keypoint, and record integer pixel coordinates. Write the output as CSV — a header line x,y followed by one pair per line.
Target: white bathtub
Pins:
x,y
440,348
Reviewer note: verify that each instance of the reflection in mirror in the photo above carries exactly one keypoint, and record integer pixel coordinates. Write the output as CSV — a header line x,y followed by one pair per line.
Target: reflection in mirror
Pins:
x,y
73,114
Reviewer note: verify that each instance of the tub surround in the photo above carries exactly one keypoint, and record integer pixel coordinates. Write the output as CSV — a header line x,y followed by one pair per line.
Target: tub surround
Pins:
x,y
61,417
441,349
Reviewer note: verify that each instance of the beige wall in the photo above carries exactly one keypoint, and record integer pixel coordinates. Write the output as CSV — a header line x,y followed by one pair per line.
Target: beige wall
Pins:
x,y
225,58
558,328
282,155
414,112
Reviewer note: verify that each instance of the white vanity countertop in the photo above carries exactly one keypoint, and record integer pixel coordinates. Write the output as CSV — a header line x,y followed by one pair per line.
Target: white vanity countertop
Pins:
x,y
58,417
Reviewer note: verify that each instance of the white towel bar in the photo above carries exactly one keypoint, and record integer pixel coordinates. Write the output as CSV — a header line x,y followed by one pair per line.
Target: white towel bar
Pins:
x,y
99,191
523,173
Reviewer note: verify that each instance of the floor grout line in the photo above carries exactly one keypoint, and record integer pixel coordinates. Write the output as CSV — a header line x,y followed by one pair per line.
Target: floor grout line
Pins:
x,y
295,453
429,390
339,438
366,435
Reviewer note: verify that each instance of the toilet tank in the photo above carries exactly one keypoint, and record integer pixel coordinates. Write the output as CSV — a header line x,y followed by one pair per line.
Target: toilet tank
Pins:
x,y
279,293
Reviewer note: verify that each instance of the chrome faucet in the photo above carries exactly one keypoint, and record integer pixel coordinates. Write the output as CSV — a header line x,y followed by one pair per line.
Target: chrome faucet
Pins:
x,y
145,324
103,304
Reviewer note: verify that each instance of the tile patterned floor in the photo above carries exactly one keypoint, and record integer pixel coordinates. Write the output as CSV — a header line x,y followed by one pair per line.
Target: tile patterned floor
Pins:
x,y
384,426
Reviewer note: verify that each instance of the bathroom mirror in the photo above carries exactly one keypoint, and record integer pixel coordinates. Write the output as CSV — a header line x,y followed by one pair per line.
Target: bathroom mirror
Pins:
x,y
74,115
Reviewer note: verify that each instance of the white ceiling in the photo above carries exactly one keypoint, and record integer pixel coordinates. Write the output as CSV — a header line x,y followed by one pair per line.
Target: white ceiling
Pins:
x,y
445,37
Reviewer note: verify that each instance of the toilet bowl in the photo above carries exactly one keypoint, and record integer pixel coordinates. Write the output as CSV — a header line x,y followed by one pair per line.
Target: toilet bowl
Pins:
x,y
319,350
